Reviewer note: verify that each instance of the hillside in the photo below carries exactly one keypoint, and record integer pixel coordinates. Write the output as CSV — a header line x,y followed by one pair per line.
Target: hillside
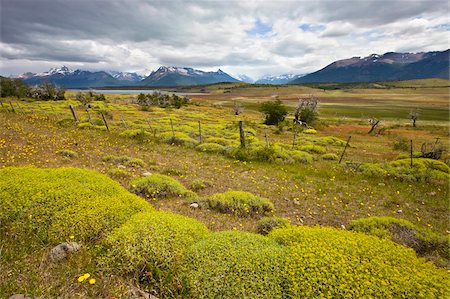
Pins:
x,y
388,67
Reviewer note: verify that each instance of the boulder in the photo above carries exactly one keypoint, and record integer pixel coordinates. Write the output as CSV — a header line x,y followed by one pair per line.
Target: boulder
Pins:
x,y
62,251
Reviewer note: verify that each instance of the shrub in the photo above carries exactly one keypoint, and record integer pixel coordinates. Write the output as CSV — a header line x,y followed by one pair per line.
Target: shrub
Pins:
x,y
118,173
210,148
332,263
200,185
274,111
179,139
125,160
239,203
330,157
52,204
317,149
67,153
422,163
159,186
302,157
221,141
401,144
85,126
235,265
266,224
152,246
138,134
333,140
309,131
401,231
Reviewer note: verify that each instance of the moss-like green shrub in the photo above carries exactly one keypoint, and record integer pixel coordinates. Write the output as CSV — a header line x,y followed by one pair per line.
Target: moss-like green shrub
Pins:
x,y
235,265
266,224
159,186
309,131
422,163
118,173
401,231
125,160
301,157
152,246
316,149
333,140
138,134
239,203
330,157
53,204
198,184
210,148
179,139
67,153
332,263
85,125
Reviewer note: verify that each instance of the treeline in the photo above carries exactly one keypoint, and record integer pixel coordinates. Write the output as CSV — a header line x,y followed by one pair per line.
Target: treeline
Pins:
x,y
162,100
16,88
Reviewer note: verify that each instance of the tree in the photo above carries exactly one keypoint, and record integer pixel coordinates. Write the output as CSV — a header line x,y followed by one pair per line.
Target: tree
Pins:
x,y
306,111
413,115
274,111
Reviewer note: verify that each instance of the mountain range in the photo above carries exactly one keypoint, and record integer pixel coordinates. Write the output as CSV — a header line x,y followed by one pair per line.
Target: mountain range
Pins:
x,y
387,67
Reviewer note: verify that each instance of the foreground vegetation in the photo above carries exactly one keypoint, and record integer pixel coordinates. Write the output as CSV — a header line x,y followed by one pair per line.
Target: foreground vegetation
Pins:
x,y
281,184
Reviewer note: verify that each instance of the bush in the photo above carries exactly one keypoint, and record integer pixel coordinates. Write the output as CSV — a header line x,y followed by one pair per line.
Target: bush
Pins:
x,y
266,224
309,131
235,265
422,164
317,149
125,160
332,263
210,148
118,173
152,246
137,134
401,231
179,139
67,153
197,185
239,203
302,157
330,157
333,140
52,204
159,186
274,111
402,144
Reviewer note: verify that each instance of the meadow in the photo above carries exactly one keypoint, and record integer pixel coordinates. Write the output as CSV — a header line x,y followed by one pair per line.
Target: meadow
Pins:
x,y
283,172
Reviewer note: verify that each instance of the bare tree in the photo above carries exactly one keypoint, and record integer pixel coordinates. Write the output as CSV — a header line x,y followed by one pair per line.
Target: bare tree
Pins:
x,y
237,108
306,110
413,115
374,123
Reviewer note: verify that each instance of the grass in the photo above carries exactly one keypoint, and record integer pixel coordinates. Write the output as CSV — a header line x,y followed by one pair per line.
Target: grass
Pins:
x,y
319,192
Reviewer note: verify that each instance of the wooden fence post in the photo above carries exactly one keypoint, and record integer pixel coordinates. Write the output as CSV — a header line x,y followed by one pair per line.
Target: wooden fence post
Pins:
x,y
124,123
266,137
74,113
12,107
343,152
173,131
104,120
241,133
411,153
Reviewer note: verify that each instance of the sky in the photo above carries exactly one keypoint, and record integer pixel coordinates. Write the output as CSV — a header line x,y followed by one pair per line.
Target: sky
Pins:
x,y
252,37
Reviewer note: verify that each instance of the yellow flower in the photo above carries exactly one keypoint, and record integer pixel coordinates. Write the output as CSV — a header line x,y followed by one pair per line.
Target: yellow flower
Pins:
x,y
86,276
72,237
81,278
92,281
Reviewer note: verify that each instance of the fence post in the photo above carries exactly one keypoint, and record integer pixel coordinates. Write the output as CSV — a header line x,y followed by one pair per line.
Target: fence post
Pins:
x,y
241,133
411,153
266,137
104,120
89,116
295,137
343,152
12,107
200,131
124,123
74,113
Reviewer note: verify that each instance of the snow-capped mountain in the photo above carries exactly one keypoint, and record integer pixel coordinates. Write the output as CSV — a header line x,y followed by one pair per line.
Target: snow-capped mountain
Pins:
x,y
280,79
244,78
386,67
184,76
126,76
64,70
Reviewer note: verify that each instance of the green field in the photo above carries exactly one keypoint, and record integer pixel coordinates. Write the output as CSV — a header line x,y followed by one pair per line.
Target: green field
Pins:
x,y
292,175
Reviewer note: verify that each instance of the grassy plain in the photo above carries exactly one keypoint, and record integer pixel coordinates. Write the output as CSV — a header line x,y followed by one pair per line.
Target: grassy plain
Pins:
x,y
319,193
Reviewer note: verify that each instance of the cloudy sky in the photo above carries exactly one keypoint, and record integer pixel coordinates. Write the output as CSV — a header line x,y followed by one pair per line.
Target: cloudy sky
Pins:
x,y
241,37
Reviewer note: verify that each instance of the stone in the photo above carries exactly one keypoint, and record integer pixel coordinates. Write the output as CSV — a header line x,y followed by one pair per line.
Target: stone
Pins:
x,y
147,173
342,226
399,211
62,251
194,205
296,202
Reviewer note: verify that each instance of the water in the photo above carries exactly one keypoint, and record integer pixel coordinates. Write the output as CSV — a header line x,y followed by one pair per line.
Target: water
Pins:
x,y
135,91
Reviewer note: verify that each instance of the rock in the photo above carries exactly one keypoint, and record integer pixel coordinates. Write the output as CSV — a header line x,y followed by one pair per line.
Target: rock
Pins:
x,y
399,211
147,173
194,205
22,296
342,226
136,293
121,166
296,202
381,184
63,250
